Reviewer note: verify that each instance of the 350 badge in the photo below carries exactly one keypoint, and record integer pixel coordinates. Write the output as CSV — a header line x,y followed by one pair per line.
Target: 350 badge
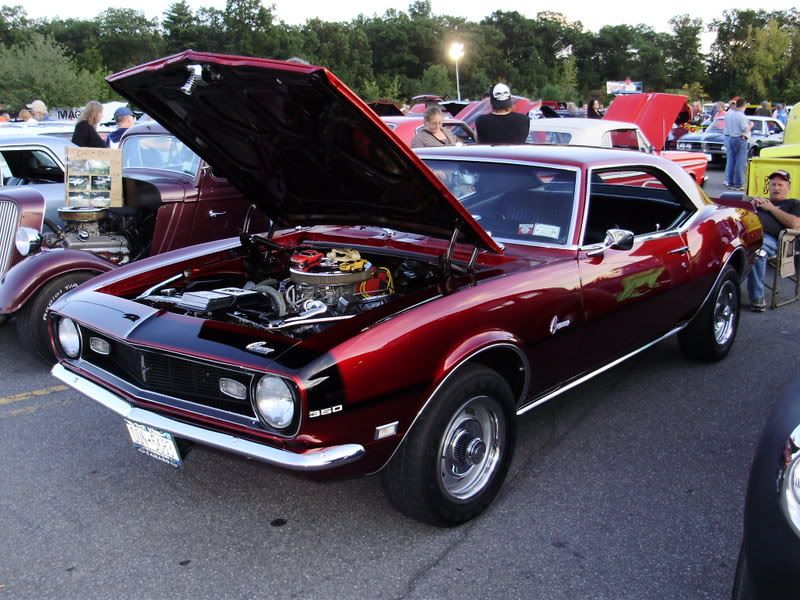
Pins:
x,y
325,411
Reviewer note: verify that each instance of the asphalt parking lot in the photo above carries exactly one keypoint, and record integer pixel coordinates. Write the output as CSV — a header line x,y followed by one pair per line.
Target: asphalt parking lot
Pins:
x,y
630,486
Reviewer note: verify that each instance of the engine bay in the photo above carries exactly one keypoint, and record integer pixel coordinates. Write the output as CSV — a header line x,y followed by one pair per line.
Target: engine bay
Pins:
x,y
299,291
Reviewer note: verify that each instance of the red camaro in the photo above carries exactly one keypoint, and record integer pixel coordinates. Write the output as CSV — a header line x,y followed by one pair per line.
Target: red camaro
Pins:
x,y
403,310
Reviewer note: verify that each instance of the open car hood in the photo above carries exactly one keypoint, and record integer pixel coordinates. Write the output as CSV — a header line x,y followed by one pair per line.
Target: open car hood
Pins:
x,y
297,142
653,113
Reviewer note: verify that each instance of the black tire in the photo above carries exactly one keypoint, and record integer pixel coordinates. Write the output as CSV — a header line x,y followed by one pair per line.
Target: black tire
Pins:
x,y
753,152
710,334
3,319
453,462
742,586
32,318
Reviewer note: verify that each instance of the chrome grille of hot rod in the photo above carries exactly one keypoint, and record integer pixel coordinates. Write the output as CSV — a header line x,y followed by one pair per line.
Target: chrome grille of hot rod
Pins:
x,y
9,222
169,375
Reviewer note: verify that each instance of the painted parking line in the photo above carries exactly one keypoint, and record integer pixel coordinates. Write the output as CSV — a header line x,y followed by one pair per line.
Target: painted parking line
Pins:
x,y
32,394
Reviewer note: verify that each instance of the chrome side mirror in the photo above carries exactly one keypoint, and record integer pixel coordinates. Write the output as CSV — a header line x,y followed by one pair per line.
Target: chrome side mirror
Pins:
x,y
616,239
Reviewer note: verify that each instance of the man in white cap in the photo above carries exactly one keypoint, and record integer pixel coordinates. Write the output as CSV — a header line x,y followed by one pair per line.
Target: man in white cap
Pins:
x,y
776,213
39,110
502,125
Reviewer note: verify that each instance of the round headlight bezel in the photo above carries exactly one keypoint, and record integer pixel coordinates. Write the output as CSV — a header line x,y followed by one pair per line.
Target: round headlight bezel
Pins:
x,y
283,416
73,345
27,239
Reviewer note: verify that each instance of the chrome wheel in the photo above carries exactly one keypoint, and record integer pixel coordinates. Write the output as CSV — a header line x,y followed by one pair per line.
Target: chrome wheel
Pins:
x,y
725,313
470,450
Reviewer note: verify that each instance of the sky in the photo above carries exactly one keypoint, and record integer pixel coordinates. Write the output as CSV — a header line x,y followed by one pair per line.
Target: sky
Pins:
x,y
593,14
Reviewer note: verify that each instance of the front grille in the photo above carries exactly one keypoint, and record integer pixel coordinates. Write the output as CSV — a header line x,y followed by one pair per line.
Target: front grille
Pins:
x,y
693,146
170,375
712,147
9,222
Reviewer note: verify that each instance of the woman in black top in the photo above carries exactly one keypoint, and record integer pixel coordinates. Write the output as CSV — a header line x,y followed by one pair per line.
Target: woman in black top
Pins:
x,y
593,109
85,133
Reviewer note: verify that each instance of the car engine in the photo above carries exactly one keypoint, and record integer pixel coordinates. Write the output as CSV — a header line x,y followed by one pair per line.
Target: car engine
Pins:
x,y
320,287
109,233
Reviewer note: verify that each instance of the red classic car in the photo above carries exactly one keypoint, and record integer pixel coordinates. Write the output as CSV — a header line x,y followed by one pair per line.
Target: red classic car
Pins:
x,y
396,317
171,200
407,127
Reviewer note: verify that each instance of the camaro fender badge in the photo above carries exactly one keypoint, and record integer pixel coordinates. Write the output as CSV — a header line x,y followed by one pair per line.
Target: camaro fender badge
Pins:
x,y
555,325
260,348
312,414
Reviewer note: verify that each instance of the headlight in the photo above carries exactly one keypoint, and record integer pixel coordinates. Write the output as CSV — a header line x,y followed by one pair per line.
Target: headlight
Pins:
x,y
274,401
724,149
26,240
681,146
69,337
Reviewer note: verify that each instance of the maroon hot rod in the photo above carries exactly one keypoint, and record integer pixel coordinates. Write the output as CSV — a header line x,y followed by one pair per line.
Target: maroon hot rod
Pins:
x,y
402,310
171,200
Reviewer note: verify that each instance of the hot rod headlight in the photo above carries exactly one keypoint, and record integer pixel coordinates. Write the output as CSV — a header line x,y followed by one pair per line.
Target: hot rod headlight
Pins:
x,y
27,239
69,337
275,402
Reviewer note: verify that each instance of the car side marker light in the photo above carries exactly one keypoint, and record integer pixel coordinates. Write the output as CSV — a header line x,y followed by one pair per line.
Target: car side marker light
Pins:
x,y
384,431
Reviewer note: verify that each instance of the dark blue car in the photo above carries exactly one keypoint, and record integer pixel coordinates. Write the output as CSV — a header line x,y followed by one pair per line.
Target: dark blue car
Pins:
x,y
769,561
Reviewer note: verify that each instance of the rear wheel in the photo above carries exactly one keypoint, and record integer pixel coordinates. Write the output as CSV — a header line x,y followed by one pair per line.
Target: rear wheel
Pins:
x,y
453,462
709,336
32,318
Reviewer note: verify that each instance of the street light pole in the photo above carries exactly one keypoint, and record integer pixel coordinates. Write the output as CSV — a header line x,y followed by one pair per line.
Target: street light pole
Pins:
x,y
456,52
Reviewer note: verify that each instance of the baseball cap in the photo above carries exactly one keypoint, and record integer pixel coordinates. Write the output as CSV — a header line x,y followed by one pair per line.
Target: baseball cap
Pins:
x,y
38,106
781,173
122,111
500,96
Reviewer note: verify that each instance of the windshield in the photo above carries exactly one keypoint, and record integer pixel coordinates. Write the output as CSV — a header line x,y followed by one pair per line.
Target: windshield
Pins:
x,y
158,152
515,203
717,125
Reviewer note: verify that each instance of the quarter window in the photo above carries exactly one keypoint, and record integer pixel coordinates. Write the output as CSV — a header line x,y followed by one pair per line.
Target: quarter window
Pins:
x,y
644,201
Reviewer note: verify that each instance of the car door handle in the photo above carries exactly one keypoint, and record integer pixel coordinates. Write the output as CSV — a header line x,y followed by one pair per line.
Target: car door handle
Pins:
x,y
681,250
213,214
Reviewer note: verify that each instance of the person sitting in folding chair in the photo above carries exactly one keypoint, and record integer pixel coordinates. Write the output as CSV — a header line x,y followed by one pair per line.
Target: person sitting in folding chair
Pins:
x,y
776,213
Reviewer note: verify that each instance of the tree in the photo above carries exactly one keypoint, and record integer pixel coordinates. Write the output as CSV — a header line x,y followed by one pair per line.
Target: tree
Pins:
x,y
127,38
684,59
78,37
180,29
248,25
340,47
769,53
42,69
436,80
13,25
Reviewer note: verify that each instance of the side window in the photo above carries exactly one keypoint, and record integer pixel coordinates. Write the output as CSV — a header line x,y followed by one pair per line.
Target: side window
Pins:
x,y
625,139
549,137
757,128
31,166
461,134
774,127
643,201
5,172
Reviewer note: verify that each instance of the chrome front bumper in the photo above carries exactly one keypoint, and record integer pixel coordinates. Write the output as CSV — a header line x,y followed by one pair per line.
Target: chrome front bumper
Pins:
x,y
313,460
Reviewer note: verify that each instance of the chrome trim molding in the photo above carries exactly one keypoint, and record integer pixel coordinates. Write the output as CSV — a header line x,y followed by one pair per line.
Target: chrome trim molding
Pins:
x,y
313,460
588,376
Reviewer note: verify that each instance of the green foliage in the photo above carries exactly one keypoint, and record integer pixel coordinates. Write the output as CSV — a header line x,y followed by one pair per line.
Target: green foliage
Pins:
x,y
684,59
125,38
436,80
41,69
400,54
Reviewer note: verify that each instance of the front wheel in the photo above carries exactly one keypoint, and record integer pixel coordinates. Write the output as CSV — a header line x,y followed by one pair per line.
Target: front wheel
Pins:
x,y
32,318
453,462
709,336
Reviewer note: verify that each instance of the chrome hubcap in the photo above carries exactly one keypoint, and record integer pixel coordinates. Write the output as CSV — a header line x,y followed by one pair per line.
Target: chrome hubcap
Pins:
x,y
469,452
725,314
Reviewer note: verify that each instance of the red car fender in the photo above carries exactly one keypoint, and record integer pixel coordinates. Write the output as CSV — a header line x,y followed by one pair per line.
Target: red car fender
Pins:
x,y
25,278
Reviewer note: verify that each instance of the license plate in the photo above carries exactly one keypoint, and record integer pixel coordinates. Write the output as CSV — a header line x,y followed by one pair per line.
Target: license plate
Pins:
x,y
154,443
709,157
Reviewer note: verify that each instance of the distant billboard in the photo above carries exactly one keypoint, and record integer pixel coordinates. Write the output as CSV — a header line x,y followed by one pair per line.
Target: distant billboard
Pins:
x,y
624,87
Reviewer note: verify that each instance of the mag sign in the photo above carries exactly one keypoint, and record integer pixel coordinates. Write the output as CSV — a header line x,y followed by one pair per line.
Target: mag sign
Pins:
x,y
94,177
